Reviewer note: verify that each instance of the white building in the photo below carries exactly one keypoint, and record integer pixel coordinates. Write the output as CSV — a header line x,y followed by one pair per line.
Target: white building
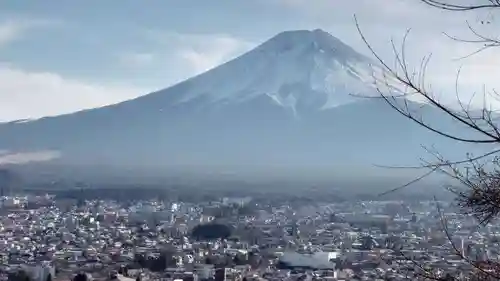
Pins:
x,y
39,272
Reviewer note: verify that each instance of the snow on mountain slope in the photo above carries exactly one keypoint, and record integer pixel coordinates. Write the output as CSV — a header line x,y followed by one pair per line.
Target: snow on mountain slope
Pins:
x,y
300,70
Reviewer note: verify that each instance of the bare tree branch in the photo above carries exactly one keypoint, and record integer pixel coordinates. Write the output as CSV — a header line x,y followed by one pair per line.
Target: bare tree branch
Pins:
x,y
491,4
410,86
478,177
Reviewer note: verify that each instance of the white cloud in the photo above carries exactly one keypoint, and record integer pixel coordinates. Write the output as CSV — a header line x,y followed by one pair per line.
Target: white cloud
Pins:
x,y
169,57
200,52
28,94
216,50
28,157
25,94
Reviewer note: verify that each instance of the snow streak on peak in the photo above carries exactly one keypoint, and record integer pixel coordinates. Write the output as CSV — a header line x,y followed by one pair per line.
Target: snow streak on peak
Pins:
x,y
315,40
300,70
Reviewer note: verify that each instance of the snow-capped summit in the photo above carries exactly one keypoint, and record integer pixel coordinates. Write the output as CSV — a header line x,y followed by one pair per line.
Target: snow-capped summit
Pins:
x,y
309,40
300,70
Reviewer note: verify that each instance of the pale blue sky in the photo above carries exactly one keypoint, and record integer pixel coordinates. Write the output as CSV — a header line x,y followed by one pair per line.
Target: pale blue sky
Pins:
x,y
59,56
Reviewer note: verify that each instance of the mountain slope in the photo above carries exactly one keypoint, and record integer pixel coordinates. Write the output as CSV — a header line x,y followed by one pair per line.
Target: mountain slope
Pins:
x,y
295,68
288,102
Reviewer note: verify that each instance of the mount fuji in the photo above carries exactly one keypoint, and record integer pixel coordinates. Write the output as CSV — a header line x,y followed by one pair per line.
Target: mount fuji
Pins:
x,y
291,101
